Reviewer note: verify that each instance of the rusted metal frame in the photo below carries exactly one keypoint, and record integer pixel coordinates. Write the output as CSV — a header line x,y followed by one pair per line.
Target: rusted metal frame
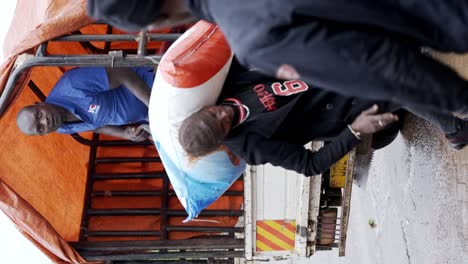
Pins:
x,y
36,90
92,48
107,44
116,37
161,255
346,203
207,229
154,211
125,193
178,261
187,244
148,193
249,174
164,208
130,175
157,233
89,187
329,230
143,38
329,247
122,143
42,49
76,60
112,160
122,233
308,211
82,140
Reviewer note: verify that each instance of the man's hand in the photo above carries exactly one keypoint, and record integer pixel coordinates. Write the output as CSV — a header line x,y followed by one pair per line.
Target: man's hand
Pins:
x,y
136,134
369,121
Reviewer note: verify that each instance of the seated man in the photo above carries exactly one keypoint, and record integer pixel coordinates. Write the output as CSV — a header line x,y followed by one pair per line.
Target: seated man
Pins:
x,y
93,99
264,120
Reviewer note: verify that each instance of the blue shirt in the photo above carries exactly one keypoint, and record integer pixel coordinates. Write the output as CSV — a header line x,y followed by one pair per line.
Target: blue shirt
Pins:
x,y
85,93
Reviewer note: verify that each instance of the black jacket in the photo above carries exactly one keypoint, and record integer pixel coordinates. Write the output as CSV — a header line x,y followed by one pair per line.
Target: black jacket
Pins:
x,y
278,136
365,48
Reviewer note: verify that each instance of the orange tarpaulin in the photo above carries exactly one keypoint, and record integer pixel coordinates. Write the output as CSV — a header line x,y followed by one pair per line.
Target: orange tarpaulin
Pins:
x,y
28,166
35,227
43,179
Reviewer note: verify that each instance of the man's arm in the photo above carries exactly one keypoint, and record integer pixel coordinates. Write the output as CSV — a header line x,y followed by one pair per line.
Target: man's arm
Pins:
x,y
358,63
129,79
136,134
259,150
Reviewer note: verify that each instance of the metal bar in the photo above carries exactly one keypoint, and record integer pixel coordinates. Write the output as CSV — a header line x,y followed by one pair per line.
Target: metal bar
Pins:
x,y
122,143
125,193
346,203
328,229
149,193
233,193
82,140
110,143
187,244
42,49
162,255
36,90
142,43
107,45
328,217
302,216
129,175
248,176
310,190
144,233
116,212
334,245
164,208
88,188
320,225
90,47
210,213
79,60
116,37
207,229
126,159
179,261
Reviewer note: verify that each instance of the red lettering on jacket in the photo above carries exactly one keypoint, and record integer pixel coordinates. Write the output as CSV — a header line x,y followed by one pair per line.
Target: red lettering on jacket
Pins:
x,y
267,99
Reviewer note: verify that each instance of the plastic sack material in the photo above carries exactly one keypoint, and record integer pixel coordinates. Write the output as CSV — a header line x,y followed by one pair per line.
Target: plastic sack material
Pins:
x,y
191,75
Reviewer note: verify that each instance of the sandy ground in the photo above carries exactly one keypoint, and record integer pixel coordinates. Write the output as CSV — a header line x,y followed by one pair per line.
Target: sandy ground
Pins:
x,y
416,192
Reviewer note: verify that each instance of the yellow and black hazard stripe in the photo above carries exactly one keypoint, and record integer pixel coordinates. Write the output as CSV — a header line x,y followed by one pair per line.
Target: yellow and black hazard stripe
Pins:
x,y
274,235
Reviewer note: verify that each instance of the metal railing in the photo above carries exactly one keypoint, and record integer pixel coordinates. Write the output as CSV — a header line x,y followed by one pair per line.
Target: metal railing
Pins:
x,y
220,246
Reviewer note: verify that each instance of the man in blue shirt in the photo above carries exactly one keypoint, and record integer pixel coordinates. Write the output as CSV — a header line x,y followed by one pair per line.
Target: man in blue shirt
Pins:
x,y
93,99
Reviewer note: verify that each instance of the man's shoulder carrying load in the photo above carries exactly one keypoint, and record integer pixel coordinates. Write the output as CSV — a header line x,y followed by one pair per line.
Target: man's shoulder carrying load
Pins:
x,y
190,76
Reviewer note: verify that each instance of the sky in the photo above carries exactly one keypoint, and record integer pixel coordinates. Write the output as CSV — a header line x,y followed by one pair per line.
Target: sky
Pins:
x,y
14,247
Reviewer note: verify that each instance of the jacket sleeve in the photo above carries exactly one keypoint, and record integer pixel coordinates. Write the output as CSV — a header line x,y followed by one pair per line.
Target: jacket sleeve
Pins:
x,y
366,63
258,150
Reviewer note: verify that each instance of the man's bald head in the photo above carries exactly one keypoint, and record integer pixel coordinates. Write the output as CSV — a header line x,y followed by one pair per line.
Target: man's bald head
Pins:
x,y
39,119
